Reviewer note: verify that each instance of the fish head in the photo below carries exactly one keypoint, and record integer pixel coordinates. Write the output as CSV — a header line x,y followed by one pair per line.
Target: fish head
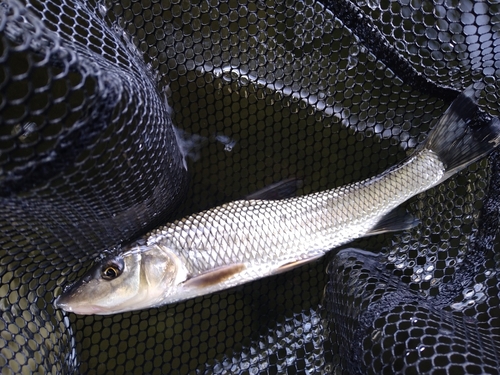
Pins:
x,y
131,280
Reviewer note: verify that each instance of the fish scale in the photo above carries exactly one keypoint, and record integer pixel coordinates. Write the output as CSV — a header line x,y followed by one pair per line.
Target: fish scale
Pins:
x,y
315,223
249,239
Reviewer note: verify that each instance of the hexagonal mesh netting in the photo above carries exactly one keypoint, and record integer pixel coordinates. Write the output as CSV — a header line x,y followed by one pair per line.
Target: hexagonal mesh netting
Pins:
x,y
330,92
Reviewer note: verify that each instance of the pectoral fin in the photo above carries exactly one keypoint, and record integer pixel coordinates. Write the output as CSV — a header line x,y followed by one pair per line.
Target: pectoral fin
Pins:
x,y
215,276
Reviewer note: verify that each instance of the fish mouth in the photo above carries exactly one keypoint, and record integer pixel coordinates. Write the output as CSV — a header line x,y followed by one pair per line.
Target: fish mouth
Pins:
x,y
62,303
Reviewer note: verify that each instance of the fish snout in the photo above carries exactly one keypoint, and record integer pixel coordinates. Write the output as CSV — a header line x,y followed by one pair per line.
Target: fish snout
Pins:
x,y
61,302
69,299
64,302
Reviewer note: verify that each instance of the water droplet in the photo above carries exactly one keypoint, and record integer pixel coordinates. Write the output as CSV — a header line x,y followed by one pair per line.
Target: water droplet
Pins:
x,y
478,287
228,142
373,4
445,331
376,334
352,62
479,297
103,10
26,131
468,293
457,306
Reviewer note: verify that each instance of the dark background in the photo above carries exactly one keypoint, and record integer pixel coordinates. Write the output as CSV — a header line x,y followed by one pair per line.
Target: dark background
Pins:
x,y
330,93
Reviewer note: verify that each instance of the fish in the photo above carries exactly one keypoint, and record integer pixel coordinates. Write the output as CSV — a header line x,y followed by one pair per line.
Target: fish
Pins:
x,y
249,239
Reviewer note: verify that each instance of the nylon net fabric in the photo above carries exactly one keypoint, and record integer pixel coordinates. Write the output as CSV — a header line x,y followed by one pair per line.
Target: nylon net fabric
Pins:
x,y
331,92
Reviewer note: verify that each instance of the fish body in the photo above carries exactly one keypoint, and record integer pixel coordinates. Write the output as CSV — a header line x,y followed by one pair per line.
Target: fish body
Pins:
x,y
249,239
269,235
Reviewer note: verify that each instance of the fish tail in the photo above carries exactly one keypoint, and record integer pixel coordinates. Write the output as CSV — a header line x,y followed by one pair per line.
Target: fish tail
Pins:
x,y
463,135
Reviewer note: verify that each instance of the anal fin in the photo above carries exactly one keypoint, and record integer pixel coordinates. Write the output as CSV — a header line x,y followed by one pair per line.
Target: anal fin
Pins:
x,y
215,276
395,221
291,265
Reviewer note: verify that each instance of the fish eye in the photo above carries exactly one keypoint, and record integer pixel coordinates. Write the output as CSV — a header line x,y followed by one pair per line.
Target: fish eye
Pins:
x,y
110,273
111,270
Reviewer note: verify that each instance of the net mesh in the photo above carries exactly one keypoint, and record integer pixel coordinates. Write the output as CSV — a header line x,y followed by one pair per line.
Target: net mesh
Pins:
x,y
258,91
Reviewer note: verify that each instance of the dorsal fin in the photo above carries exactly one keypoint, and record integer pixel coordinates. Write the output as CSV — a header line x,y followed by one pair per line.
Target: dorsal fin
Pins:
x,y
279,190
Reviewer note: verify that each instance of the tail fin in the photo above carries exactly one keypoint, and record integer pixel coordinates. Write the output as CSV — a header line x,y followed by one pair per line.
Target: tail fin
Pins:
x,y
463,135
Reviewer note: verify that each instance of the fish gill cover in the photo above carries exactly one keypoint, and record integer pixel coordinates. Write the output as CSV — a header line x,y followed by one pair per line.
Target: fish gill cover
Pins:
x,y
329,92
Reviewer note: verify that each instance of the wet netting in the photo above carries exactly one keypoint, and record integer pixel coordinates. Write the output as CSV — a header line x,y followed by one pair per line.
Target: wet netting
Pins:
x,y
103,104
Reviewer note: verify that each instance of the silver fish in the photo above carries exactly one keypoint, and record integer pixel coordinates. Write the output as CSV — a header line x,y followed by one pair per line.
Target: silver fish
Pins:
x,y
250,239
